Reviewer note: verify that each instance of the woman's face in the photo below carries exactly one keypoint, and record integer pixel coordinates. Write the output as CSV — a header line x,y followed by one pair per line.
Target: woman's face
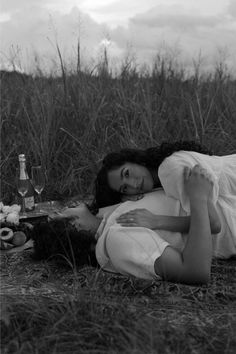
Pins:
x,y
130,178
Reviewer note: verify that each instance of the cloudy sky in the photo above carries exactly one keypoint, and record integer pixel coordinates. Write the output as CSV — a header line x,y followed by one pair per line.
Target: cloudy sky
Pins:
x,y
140,29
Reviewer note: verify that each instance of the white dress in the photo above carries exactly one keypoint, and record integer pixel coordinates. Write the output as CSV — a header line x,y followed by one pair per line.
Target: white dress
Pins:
x,y
223,172
133,250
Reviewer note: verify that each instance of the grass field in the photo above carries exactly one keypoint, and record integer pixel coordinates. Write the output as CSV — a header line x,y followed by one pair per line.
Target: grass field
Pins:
x,y
52,310
68,124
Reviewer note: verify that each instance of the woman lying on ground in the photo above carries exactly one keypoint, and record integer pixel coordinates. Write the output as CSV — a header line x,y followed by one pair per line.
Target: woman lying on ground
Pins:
x,y
138,251
130,173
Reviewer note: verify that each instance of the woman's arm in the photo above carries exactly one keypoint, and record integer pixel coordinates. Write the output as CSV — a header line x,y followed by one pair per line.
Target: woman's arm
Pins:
x,y
193,264
182,223
144,218
171,175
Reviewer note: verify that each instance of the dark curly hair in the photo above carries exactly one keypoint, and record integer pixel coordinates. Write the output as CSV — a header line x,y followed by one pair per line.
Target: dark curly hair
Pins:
x,y
150,158
59,241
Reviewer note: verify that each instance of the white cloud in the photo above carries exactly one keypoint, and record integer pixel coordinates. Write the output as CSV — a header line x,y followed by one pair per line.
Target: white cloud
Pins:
x,y
176,17
232,8
38,35
191,31
34,26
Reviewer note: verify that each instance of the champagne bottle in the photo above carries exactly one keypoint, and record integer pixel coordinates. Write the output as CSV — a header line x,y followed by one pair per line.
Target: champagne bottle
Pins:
x,y
29,196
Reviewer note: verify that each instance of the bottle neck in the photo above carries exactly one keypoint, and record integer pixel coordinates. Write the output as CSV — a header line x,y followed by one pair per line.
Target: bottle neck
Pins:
x,y
23,173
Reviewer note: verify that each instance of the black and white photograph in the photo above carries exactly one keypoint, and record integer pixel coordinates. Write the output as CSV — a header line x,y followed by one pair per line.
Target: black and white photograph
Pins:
x,y
118,177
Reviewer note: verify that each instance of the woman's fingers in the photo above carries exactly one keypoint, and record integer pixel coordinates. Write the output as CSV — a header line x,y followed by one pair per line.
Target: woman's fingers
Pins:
x,y
137,217
199,182
133,215
127,219
127,222
201,171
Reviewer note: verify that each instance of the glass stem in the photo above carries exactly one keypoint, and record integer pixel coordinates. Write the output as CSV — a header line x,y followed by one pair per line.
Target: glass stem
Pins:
x,y
40,198
23,205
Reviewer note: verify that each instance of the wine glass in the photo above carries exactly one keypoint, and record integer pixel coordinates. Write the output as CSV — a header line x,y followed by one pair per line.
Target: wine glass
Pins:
x,y
38,180
22,187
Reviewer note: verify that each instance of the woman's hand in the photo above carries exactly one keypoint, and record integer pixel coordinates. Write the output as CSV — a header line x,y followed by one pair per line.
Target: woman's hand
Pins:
x,y
138,217
198,183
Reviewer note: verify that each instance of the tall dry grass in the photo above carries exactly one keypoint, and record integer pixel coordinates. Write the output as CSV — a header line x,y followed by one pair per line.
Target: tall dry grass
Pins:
x,y
69,123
